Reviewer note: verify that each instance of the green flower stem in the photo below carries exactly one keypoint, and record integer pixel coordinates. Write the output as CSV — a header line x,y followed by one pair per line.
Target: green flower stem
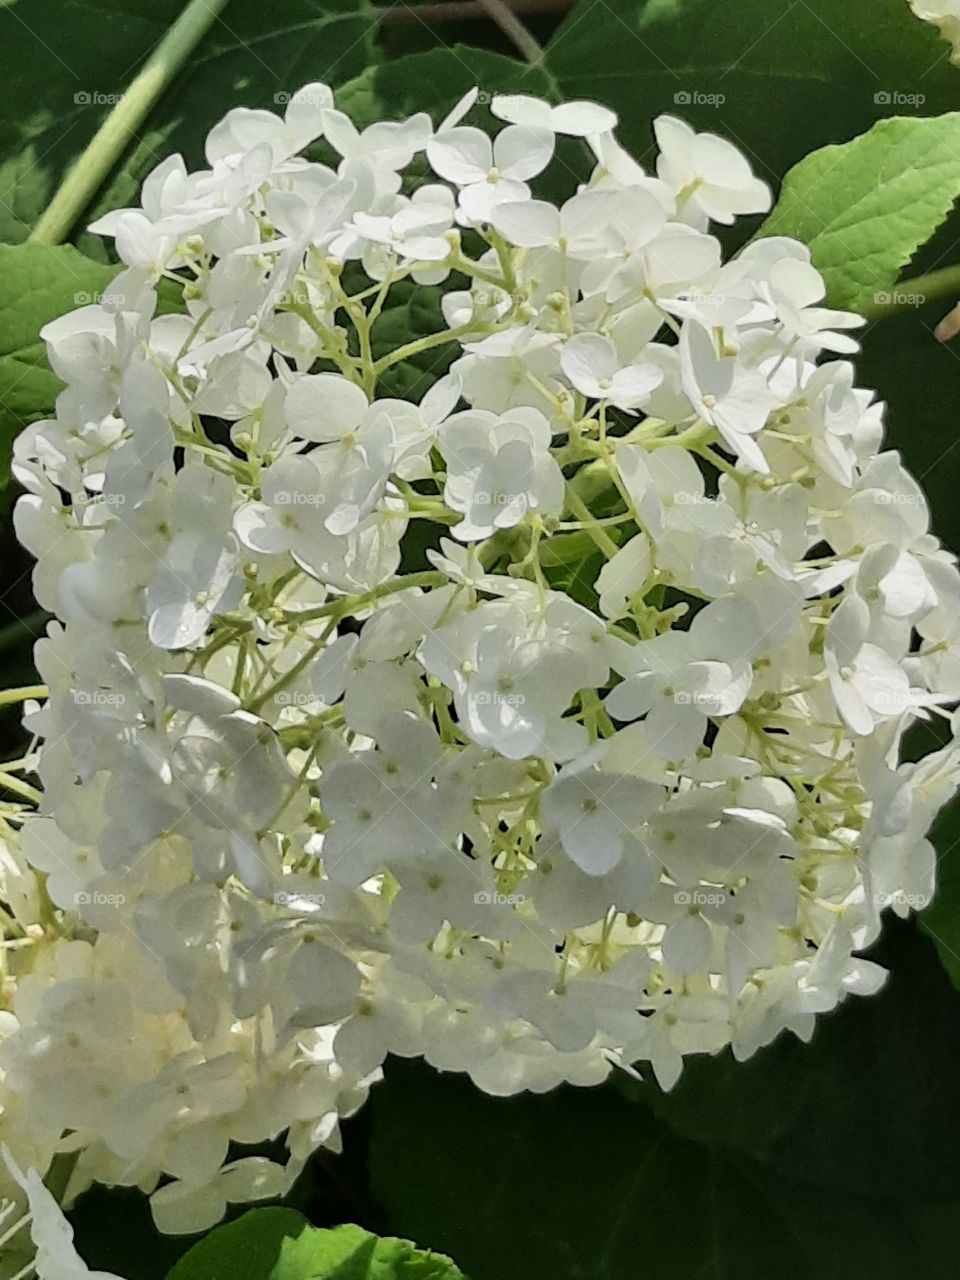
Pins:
x,y
228,464
431,509
591,482
505,258
513,29
9,697
721,464
295,671
26,1218
9,783
344,362
701,433
602,539
344,606
108,143
61,1170
436,340
903,296
469,268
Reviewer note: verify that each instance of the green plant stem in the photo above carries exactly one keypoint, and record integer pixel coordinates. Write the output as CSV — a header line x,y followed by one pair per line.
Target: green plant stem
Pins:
x,y
513,29
20,788
108,143
603,540
60,1172
9,697
436,340
944,283
344,606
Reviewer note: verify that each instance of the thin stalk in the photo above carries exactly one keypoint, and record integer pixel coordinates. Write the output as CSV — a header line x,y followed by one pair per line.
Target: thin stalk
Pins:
x,y
907,295
108,143
511,26
579,508
9,697
20,788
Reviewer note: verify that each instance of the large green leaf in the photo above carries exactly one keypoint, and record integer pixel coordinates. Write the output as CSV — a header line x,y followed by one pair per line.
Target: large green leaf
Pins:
x,y
350,1253
581,1187
54,90
413,312
832,1160
247,1249
434,81
278,1244
37,284
254,56
65,61
866,206
813,1108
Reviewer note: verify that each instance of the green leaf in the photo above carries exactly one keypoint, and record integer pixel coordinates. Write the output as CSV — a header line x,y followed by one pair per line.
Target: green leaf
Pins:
x,y
864,208
813,1108
37,284
278,1244
247,1249
833,1159
435,81
253,57
941,920
58,83
574,566
581,1187
413,312
51,65
350,1253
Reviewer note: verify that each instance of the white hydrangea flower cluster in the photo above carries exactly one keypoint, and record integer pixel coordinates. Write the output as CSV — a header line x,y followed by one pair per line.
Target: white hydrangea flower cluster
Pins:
x,y
547,721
